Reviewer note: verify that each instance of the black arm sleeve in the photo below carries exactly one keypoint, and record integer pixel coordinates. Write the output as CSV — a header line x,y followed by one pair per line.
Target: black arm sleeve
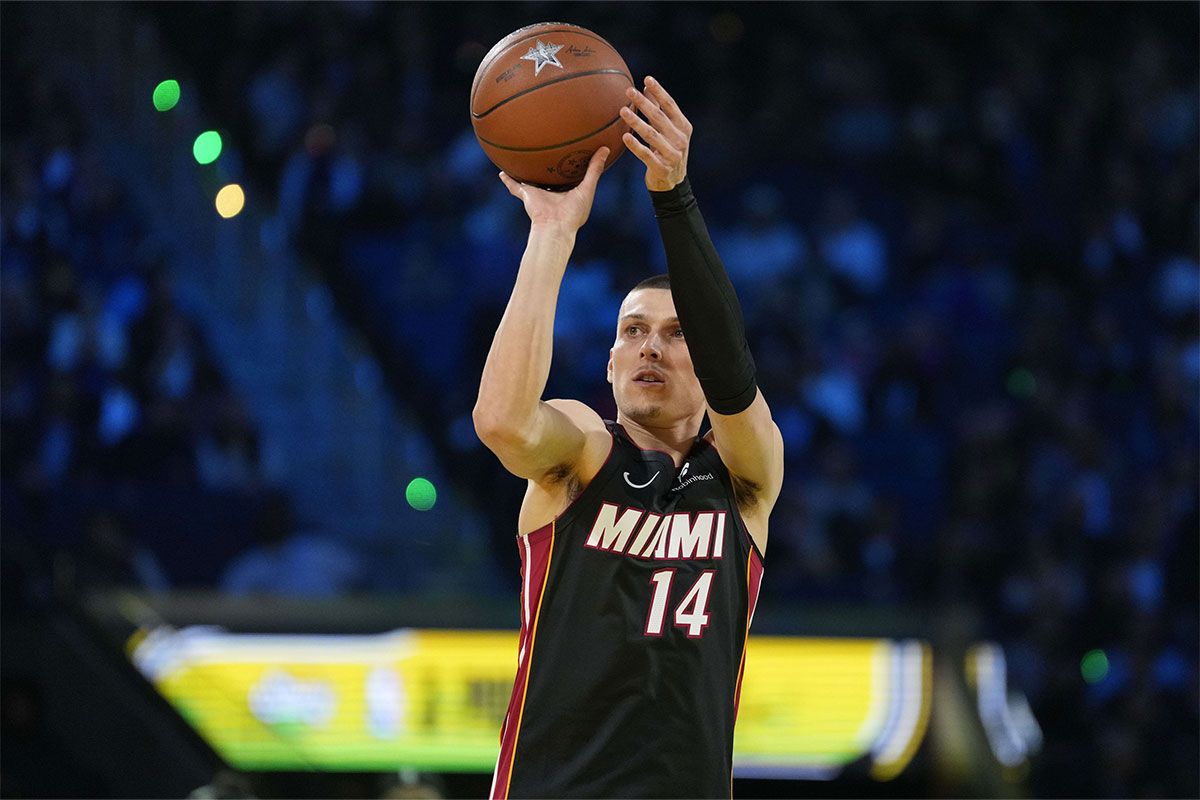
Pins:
x,y
708,308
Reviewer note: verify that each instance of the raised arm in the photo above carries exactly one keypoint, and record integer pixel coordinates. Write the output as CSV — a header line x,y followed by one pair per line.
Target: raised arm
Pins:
x,y
711,317
535,439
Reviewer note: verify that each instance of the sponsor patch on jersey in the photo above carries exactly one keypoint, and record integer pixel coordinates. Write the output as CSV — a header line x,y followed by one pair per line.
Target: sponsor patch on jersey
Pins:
x,y
686,480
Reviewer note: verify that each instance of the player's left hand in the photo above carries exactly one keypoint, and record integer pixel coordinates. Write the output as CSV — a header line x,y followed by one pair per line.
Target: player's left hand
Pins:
x,y
665,135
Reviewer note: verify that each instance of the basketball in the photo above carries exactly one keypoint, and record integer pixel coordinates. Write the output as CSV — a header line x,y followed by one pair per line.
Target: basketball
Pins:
x,y
545,98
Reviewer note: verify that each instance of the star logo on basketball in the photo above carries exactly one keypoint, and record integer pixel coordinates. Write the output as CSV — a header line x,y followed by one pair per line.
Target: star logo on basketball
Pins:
x,y
543,54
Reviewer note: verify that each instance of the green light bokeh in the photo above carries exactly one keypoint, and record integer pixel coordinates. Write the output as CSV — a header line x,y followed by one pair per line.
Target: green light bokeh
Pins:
x,y
207,147
420,494
1094,666
166,95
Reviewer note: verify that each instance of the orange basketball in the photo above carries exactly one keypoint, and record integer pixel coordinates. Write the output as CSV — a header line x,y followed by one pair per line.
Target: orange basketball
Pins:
x,y
545,98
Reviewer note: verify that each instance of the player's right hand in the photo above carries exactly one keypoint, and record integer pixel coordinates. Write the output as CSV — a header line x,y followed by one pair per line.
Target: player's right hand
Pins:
x,y
567,210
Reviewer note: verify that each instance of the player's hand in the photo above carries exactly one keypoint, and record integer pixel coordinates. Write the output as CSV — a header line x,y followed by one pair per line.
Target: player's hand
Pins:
x,y
569,209
665,135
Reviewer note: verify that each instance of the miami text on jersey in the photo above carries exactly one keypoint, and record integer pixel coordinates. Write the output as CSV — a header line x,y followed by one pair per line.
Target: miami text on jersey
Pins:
x,y
682,535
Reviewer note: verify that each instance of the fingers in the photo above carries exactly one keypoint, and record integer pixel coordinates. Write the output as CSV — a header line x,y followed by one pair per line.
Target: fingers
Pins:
x,y
670,142
650,108
661,110
647,156
664,126
656,120
595,166
652,134
669,107
515,188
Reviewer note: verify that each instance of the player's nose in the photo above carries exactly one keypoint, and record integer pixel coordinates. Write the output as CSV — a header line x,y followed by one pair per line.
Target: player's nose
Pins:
x,y
651,347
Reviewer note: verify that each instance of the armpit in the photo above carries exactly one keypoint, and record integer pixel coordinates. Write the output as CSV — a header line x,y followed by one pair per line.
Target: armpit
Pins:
x,y
746,493
564,475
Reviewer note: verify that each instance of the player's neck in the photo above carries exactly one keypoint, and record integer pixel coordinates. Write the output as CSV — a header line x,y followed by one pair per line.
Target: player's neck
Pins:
x,y
675,438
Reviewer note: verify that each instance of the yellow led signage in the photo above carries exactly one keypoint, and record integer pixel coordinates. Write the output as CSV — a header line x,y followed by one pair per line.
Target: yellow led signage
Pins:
x,y
435,699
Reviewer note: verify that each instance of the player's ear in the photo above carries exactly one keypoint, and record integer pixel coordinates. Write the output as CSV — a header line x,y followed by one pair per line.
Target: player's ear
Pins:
x,y
610,367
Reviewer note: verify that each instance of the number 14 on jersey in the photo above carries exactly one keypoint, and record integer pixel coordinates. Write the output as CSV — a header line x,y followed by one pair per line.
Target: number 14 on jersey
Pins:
x,y
692,611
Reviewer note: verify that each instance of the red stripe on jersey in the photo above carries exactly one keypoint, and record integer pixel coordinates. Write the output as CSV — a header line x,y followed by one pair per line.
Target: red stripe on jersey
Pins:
x,y
536,549
754,572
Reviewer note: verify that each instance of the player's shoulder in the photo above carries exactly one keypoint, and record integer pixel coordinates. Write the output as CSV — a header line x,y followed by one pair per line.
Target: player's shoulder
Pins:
x,y
583,415
598,439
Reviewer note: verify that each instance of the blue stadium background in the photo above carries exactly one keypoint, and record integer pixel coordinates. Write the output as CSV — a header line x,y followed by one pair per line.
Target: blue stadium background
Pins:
x,y
965,236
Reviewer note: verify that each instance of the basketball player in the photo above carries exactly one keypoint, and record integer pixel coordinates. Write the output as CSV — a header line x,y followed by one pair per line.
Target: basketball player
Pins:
x,y
641,540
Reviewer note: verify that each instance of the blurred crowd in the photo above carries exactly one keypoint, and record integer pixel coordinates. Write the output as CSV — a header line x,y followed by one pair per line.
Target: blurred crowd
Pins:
x,y
128,459
965,238
117,423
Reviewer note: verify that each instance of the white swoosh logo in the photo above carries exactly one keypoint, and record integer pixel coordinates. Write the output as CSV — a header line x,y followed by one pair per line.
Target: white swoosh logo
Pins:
x,y
641,485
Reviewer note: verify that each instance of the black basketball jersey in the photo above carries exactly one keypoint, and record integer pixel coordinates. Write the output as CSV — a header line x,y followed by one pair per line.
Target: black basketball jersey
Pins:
x,y
636,605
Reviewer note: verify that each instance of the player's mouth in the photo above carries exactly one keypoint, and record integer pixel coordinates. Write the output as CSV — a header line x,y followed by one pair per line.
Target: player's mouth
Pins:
x,y
648,377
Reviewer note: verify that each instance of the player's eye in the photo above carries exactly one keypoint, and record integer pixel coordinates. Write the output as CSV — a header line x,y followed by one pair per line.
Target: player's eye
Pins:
x,y
632,330
678,334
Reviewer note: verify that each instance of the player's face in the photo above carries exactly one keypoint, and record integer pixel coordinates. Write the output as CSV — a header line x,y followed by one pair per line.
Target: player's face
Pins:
x,y
649,365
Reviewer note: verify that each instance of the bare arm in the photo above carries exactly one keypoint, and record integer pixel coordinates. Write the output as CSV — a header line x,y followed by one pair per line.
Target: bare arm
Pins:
x,y
751,447
529,436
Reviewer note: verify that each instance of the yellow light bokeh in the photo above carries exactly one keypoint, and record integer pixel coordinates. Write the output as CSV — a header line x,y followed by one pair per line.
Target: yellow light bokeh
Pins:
x,y
230,200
